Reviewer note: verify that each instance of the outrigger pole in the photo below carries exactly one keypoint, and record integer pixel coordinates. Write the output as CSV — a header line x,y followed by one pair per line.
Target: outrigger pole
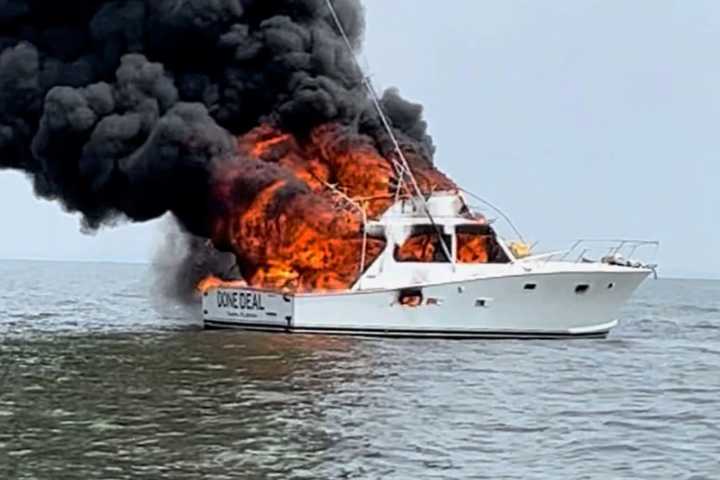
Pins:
x,y
403,167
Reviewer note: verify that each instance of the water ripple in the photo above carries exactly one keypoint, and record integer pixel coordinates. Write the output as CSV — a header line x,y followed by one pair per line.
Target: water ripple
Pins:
x,y
98,381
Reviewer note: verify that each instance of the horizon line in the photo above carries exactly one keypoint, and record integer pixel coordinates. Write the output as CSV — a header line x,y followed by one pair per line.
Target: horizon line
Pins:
x,y
700,277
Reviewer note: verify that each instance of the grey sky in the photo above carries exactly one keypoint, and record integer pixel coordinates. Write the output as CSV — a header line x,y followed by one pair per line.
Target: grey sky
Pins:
x,y
580,118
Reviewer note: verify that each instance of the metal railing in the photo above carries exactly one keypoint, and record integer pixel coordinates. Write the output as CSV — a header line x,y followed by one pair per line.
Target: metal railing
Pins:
x,y
612,247
363,213
495,209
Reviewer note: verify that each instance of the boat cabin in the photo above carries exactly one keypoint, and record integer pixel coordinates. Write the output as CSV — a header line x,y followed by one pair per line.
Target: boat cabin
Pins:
x,y
449,243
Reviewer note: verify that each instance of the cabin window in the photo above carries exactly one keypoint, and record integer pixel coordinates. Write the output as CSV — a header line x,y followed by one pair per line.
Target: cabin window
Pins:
x,y
424,245
479,244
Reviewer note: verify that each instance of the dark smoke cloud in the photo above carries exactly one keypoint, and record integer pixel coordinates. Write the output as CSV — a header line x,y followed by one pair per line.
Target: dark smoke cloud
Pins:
x,y
119,109
184,260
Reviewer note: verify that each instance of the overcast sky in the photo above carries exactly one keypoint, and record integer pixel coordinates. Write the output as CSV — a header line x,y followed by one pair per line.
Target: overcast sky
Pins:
x,y
580,118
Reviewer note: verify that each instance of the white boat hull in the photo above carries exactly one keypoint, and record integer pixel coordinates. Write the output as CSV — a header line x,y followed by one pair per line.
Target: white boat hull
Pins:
x,y
530,305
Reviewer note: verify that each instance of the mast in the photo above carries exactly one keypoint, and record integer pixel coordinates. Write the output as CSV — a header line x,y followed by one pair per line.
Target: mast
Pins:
x,y
403,167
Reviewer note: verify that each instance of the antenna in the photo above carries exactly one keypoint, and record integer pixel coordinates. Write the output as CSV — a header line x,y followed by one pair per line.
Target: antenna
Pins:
x,y
402,167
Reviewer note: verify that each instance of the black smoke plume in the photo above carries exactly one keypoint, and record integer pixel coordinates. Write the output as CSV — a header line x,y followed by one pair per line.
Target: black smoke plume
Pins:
x,y
121,109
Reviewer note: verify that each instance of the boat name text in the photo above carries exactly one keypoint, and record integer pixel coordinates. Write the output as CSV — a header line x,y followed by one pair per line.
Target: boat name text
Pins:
x,y
240,300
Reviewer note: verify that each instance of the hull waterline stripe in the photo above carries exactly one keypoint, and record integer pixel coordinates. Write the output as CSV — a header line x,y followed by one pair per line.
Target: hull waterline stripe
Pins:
x,y
365,332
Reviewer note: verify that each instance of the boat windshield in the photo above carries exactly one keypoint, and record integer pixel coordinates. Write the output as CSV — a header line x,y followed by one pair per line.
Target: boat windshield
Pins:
x,y
478,244
475,243
424,246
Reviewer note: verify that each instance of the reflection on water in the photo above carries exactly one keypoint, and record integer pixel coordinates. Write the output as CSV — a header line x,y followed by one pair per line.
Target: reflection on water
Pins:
x,y
99,380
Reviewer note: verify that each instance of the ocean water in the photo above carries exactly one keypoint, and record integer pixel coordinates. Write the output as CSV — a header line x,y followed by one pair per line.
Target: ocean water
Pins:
x,y
102,378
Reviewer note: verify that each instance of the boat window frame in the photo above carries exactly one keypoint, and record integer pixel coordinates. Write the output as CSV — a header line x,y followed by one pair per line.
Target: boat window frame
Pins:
x,y
428,229
483,229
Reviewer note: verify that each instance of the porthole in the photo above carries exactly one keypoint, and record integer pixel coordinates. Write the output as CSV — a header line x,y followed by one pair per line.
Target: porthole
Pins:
x,y
530,286
582,289
611,285
483,302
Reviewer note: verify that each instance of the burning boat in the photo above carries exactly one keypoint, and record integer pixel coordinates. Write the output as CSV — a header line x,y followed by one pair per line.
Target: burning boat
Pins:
x,y
333,237
445,272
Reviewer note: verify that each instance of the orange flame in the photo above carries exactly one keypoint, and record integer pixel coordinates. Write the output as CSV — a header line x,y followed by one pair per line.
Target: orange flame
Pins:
x,y
212,281
419,248
473,248
282,213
